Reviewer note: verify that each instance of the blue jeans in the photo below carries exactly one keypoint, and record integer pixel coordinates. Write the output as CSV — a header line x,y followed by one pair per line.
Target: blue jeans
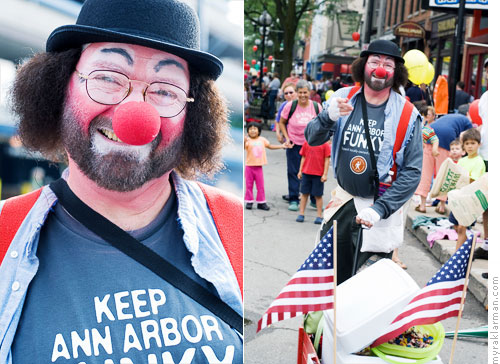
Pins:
x,y
292,165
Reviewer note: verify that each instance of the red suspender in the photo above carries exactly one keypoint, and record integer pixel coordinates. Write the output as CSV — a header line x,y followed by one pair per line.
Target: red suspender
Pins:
x,y
404,120
12,215
353,90
227,212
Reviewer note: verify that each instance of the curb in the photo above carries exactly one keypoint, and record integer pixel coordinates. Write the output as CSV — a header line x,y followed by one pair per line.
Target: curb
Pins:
x,y
444,249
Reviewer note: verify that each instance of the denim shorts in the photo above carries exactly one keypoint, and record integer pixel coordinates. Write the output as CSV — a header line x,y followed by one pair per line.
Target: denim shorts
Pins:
x,y
312,185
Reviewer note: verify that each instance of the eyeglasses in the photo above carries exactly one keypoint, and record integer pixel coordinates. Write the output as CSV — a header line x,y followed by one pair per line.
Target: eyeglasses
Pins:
x,y
111,87
289,93
387,66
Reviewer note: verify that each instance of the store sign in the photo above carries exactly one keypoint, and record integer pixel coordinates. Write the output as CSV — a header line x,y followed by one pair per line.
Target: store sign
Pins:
x,y
469,4
445,27
409,29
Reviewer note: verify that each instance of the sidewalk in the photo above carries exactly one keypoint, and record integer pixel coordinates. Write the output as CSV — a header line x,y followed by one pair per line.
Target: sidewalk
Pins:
x,y
444,249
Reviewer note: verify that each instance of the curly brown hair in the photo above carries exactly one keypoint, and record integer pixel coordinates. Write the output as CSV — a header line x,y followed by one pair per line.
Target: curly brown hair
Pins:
x,y
38,96
400,73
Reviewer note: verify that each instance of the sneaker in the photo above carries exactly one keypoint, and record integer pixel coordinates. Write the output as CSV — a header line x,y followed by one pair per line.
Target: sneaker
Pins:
x,y
300,218
249,205
318,220
285,197
294,206
263,206
484,275
312,204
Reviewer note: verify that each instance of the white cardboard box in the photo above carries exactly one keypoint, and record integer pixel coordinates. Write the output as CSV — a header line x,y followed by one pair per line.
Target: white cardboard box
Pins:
x,y
367,304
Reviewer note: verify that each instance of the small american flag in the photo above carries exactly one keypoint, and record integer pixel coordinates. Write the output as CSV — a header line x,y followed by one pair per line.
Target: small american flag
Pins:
x,y
310,289
438,300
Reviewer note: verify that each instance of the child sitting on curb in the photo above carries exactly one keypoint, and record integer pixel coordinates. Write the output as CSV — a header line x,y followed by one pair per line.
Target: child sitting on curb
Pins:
x,y
456,151
313,172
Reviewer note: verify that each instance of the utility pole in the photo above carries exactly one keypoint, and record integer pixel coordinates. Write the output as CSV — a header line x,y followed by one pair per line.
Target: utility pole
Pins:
x,y
381,18
369,20
457,45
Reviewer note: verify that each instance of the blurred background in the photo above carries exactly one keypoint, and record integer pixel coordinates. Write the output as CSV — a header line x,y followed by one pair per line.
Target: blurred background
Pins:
x,y
24,28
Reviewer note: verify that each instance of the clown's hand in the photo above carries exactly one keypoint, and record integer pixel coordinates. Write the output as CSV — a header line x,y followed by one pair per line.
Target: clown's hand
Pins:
x,y
339,107
367,217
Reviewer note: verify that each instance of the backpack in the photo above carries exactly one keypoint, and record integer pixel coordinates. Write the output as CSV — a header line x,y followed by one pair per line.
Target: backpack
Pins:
x,y
294,106
224,209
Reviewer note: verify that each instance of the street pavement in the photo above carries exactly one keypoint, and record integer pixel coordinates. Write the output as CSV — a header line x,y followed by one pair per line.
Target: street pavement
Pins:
x,y
276,245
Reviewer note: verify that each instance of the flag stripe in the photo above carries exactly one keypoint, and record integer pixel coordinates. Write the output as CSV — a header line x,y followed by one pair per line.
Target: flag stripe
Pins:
x,y
297,294
438,292
316,273
307,287
429,307
311,280
302,308
302,300
415,306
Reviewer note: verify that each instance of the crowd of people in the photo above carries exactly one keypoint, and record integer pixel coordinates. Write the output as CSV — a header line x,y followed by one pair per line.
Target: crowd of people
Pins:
x,y
316,121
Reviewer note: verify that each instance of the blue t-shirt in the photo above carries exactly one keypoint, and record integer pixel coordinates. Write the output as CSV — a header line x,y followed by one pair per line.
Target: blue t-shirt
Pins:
x,y
354,167
278,114
90,303
449,127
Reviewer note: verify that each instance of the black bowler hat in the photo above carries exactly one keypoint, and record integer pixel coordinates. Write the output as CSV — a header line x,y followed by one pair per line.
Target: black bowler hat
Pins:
x,y
385,47
167,25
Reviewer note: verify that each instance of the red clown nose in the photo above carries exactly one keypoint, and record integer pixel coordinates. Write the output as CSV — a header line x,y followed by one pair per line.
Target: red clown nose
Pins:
x,y
136,123
380,72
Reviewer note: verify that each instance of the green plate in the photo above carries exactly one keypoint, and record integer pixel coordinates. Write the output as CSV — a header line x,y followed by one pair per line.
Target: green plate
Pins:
x,y
423,355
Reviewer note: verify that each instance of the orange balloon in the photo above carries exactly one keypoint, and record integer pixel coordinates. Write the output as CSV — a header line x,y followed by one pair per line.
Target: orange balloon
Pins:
x,y
474,112
441,95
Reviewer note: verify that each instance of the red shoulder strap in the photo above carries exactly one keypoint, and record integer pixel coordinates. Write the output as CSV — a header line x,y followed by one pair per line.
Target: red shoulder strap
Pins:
x,y
354,89
227,212
404,120
12,215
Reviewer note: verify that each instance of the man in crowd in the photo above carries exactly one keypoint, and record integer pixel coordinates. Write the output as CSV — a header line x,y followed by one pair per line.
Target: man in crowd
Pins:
x,y
292,79
380,70
129,100
462,97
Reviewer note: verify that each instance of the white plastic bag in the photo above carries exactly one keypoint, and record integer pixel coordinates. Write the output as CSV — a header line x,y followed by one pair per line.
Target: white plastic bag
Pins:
x,y
469,202
449,177
387,234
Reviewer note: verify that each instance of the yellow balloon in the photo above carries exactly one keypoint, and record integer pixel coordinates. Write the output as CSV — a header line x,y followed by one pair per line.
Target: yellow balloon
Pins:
x,y
415,58
328,94
418,74
430,74
416,62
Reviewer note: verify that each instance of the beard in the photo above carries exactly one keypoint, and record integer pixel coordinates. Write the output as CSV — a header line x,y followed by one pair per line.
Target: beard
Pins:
x,y
116,167
378,84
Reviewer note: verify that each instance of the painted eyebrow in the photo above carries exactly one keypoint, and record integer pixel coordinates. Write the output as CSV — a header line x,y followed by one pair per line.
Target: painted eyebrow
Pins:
x,y
121,52
168,62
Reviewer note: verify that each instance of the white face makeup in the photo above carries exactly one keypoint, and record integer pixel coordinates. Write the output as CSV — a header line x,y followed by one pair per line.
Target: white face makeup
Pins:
x,y
88,130
371,79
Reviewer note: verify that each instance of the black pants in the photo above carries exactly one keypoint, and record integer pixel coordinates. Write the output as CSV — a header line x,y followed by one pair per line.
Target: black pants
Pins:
x,y
347,233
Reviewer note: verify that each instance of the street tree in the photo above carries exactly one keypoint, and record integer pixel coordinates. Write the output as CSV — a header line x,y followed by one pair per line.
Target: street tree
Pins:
x,y
287,17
